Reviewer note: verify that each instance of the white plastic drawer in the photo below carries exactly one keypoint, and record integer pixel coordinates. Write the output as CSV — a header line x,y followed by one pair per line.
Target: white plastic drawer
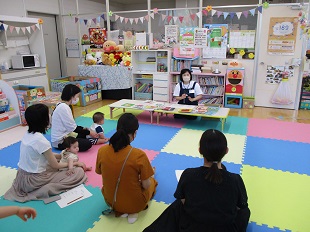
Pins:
x,y
160,90
160,97
161,76
160,83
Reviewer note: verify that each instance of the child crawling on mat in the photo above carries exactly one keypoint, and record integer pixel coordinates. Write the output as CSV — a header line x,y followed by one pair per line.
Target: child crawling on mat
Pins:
x,y
70,154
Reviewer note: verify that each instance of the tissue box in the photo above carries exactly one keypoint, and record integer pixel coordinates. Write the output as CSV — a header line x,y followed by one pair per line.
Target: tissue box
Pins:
x,y
206,69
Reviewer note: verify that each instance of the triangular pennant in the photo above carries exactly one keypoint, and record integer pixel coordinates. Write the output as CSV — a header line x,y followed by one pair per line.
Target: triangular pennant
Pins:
x,y
181,18
193,16
76,19
11,28
238,14
81,21
38,26
252,12
126,20
198,14
219,13
175,19
5,26
116,17
131,20
94,20
225,14
33,27
89,22
141,19
152,15
28,29
102,16
98,19
232,14
260,9
213,12
146,17
205,12
245,13
17,29
121,19
24,30
85,21
163,17
136,20
169,19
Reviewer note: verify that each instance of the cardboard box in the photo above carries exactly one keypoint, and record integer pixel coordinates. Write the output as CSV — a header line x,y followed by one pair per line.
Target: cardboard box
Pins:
x,y
29,92
90,87
248,102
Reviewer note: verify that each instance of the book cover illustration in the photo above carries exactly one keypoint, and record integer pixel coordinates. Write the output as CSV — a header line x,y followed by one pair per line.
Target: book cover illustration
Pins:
x,y
138,107
128,105
168,108
185,110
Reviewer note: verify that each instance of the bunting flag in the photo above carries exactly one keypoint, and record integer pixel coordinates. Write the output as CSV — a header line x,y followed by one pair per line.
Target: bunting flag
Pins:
x,y
33,27
76,19
205,12
181,18
245,13
225,14
98,19
17,29
238,14
198,14
126,20
169,19
175,19
85,21
102,16
136,20
121,19
5,26
152,15
193,16
141,19
163,17
116,17
131,20
252,12
89,22
95,20
28,29
11,28
23,30
232,14
260,9
213,12
219,13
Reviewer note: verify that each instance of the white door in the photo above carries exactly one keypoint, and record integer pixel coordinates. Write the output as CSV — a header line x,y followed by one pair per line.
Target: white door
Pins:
x,y
51,43
264,89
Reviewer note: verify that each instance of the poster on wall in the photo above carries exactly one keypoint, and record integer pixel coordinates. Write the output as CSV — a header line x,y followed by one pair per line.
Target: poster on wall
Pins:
x,y
217,35
200,37
282,35
171,34
274,73
241,38
187,41
97,37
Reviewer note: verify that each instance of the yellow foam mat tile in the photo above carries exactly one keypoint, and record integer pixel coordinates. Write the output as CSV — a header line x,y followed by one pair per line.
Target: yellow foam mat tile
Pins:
x,y
6,179
186,142
146,217
278,199
12,136
103,109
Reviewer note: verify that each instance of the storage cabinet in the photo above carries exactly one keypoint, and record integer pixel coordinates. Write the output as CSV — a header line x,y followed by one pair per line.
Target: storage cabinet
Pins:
x,y
150,74
212,86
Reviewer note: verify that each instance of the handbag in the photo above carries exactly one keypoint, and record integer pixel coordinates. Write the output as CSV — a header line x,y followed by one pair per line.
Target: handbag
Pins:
x,y
110,209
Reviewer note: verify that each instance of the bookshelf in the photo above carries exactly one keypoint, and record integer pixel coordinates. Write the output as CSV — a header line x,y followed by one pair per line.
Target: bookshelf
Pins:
x,y
179,63
212,86
150,74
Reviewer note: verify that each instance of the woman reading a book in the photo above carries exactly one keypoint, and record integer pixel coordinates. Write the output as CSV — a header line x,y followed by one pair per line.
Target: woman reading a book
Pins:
x,y
187,92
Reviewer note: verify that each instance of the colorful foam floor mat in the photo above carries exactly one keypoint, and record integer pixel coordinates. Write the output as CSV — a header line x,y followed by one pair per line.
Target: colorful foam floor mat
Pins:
x,y
272,157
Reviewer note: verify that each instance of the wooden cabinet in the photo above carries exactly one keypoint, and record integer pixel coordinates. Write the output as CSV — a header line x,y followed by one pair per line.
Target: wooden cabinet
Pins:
x,y
212,86
150,74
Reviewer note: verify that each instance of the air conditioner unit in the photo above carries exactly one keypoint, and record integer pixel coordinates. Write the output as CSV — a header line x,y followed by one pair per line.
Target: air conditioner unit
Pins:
x,y
296,7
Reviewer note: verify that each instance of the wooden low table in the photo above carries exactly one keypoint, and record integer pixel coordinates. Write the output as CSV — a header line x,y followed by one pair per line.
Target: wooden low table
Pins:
x,y
221,113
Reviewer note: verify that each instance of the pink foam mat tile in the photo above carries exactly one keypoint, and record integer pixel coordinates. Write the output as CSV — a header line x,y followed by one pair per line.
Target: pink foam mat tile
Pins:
x,y
89,158
273,129
164,120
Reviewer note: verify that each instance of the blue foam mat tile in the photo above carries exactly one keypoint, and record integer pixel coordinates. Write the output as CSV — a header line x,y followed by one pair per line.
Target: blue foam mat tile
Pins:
x,y
9,156
108,125
253,227
233,125
277,154
156,140
167,163
79,216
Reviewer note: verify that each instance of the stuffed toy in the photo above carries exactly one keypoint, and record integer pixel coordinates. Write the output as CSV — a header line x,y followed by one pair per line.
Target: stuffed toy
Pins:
x,y
234,64
106,59
98,57
109,46
90,60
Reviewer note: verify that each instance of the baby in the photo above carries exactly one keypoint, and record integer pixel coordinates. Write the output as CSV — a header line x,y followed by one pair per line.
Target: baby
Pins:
x,y
69,154
98,119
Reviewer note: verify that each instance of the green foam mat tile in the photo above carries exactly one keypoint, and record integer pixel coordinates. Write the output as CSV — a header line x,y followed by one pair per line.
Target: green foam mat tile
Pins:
x,y
6,179
186,142
146,217
278,199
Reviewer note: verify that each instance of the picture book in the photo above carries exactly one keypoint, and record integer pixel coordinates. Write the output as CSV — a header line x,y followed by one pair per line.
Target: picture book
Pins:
x,y
138,107
128,105
168,108
185,110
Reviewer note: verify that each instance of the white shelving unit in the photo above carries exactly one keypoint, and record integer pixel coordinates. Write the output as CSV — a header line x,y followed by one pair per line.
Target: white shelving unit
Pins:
x,y
212,86
151,69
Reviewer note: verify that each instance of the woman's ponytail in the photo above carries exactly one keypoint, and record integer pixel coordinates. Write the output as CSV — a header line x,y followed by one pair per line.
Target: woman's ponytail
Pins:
x,y
119,140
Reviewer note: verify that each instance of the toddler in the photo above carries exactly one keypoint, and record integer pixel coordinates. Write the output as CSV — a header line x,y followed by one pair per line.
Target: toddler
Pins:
x,y
69,154
98,119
